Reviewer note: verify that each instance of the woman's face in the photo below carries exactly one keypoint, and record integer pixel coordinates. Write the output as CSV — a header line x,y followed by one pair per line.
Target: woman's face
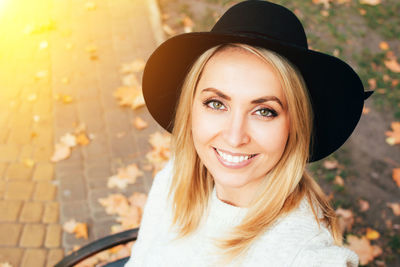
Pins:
x,y
240,122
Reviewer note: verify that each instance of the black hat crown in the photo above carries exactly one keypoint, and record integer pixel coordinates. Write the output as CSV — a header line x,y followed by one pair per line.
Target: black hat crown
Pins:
x,y
263,19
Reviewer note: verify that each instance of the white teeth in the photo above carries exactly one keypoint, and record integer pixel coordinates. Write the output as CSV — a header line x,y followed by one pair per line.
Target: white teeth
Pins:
x,y
233,159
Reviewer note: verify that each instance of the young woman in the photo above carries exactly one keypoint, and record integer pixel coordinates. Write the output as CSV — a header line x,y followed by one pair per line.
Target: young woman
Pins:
x,y
248,105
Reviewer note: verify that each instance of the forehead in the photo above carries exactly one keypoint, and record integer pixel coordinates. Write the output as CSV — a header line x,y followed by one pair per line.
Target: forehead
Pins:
x,y
241,73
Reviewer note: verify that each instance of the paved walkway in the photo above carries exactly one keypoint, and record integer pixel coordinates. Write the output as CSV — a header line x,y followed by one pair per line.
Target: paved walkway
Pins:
x,y
44,54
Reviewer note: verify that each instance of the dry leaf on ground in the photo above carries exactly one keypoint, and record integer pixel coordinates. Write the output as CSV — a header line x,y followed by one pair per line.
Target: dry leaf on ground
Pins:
x,y
346,219
61,151
160,153
130,96
82,139
135,66
338,180
80,229
323,2
363,248
370,2
372,234
396,176
139,123
187,24
330,164
393,136
365,110
68,139
383,45
115,204
168,30
395,208
5,264
364,205
125,176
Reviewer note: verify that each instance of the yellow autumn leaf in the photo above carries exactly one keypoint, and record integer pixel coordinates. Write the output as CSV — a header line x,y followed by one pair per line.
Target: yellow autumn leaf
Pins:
x,y
370,2
396,176
363,248
394,135
139,123
81,230
372,234
82,139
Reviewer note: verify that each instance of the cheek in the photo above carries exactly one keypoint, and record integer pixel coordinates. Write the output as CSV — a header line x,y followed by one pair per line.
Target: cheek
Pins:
x,y
272,137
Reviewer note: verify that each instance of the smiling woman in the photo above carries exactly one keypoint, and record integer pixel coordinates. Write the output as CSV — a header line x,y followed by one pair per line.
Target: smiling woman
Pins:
x,y
248,105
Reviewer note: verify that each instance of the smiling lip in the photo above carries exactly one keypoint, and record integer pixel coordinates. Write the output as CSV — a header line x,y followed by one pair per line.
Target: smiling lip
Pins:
x,y
233,165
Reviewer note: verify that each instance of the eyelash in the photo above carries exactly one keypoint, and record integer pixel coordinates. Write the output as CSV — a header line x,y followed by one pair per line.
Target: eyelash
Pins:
x,y
208,101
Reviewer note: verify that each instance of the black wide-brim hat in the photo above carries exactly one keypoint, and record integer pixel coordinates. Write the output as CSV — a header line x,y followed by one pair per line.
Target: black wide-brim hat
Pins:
x,y
337,93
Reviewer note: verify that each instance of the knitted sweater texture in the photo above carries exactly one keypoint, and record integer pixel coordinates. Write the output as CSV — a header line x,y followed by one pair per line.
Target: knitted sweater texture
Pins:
x,y
294,240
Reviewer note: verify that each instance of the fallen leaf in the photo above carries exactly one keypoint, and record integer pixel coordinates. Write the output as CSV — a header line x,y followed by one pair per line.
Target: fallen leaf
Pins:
x,y
61,151
338,180
187,24
130,80
323,2
130,96
168,30
330,164
139,123
138,199
41,74
5,264
82,139
365,110
43,45
372,83
90,6
29,163
364,205
68,139
36,118
69,226
125,176
370,2
372,234
160,152
384,46
135,66
386,78
396,176
395,208
363,248
115,204
81,230
345,219
392,64
65,80
32,97
394,135
325,13
362,11
66,99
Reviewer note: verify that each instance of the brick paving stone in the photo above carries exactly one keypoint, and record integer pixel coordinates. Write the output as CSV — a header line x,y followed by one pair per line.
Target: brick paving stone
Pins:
x,y
31,212
19,136
45,191
54,256
34,257
51,212
9,210
32,235
19,190
53,236
9,152
78,210
72,191
2,169
2,188
18,171
43,153
11,255
43,172
9,233
26,152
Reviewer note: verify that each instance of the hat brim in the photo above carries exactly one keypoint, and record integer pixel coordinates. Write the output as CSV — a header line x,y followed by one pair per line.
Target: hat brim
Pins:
x,y
336,91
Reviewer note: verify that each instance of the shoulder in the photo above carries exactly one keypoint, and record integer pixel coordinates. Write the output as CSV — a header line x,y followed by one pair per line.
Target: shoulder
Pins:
x,y
298,239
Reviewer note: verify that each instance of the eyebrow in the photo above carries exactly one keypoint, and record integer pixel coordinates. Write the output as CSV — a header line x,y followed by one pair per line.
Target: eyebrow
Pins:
x,y
255,101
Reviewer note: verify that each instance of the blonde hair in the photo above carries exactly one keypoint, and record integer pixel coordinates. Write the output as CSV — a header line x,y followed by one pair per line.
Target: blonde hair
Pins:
x,y
283,187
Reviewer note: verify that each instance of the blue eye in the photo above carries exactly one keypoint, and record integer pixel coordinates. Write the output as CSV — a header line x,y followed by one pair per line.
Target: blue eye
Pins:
x,y
265,112
214,104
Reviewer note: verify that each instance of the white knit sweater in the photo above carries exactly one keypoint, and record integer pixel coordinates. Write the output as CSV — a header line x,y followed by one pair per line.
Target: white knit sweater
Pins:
x,y
294,240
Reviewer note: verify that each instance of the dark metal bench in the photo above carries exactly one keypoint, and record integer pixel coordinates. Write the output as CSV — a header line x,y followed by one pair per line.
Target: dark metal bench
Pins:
x,y
98,246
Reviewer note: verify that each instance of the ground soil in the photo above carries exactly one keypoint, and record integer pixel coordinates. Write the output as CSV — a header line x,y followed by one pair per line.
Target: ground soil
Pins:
x,y
367,159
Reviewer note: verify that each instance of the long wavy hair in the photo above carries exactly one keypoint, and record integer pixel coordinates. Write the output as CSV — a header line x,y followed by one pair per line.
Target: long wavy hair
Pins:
x,y
284,185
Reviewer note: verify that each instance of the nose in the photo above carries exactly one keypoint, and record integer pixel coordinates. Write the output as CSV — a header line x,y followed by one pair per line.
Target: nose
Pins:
x,y
235,130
